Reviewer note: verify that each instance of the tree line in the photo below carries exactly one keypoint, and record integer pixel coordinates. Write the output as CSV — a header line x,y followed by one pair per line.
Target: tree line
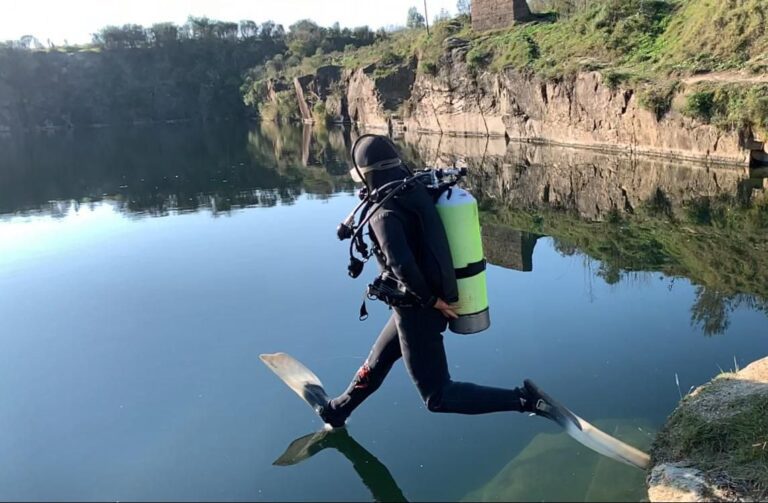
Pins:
x,y
303,37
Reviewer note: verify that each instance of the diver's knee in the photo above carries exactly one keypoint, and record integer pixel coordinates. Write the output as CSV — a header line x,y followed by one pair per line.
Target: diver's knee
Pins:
x,y
434,403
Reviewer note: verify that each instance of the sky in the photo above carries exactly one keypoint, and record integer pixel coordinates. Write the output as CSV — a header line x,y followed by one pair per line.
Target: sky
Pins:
x,y
75,20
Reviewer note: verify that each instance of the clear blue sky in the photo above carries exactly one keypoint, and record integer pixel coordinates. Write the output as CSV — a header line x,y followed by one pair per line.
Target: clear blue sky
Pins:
x,y
76,20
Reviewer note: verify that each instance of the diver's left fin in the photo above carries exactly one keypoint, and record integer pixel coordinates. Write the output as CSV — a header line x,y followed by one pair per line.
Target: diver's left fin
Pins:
x,y
299,378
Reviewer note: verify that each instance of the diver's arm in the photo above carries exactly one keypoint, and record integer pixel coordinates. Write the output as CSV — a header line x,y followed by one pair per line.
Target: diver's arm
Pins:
x,y
390,236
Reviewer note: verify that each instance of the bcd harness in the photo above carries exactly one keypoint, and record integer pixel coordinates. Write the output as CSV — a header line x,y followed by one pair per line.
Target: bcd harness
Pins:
x,y
386,287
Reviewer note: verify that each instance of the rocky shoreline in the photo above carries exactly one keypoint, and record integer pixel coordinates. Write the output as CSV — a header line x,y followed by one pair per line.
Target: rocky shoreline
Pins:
x,y
714,447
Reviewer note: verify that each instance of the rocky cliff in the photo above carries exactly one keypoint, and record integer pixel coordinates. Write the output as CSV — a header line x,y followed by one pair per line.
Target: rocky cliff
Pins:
x,y
190,81
584,110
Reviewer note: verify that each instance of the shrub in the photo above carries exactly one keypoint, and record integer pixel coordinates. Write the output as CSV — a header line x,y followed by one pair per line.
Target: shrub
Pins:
x,y
658,98
614,79
284,109
477,57
700,105
320,113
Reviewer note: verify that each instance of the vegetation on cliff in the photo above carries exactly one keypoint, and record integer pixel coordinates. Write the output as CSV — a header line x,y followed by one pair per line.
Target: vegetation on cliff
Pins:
x,y
651,46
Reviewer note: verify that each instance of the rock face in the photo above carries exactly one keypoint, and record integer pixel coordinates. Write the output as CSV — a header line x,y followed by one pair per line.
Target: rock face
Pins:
x,y
496,14
373,100
583,111
323,85
679,474
509,248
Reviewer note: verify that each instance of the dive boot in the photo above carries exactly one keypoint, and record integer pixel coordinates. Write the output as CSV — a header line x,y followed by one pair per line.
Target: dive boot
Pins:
x,y
331,416
544,405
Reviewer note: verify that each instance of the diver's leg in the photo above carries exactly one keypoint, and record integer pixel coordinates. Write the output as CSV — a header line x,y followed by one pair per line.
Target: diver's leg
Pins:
x,y
421,343
384,354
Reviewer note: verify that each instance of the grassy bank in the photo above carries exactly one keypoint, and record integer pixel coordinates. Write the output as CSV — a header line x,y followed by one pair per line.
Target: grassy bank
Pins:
x,y
729,446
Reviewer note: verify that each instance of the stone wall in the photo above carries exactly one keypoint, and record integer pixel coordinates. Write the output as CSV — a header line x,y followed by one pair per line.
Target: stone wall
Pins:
x,y
495,14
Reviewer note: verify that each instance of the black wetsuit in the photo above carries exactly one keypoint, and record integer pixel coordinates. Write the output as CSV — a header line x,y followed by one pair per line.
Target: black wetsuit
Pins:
x,y
412,245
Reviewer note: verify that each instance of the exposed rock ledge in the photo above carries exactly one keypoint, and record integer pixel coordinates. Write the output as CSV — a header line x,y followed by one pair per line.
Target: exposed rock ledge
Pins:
x,y
713,446
582,111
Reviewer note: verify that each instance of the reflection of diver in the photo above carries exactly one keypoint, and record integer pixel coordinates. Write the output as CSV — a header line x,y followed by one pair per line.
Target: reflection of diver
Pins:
x,y
372,472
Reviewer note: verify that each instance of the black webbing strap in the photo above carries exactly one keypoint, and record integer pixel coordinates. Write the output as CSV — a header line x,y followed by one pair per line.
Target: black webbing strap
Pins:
x,y
470,270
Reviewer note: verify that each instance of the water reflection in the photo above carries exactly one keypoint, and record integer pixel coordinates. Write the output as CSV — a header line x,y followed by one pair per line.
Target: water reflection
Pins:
x,y
372,472
155,170
625,215
572,473
589,476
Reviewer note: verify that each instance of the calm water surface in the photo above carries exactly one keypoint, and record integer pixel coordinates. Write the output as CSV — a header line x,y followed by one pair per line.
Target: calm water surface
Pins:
x,y
143,271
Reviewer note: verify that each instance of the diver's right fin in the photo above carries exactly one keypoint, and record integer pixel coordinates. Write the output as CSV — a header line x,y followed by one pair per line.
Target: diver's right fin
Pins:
x,y
299,378
584,432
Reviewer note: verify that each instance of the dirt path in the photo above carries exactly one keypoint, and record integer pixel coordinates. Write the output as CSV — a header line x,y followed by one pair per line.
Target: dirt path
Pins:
x,y
735,77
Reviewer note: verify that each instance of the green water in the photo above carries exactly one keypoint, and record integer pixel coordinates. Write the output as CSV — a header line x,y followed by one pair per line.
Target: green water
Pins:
x,y
143,271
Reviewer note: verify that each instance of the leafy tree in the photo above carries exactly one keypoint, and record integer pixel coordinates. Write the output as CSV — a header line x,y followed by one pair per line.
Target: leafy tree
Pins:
x,y
464,7
201,28
443,15
248,29
163,34
225,31
129,36
267,30
415,19
305,37
29,42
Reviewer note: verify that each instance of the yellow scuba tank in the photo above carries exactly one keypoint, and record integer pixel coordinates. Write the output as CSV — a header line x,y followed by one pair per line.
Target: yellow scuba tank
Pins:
x,y
458,211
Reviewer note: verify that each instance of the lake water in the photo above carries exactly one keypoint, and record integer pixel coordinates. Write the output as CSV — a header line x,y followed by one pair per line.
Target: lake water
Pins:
x,y
143,271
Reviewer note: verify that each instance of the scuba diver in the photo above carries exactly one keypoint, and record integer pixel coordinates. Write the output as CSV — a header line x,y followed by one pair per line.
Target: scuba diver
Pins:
x,y
418,224
412,249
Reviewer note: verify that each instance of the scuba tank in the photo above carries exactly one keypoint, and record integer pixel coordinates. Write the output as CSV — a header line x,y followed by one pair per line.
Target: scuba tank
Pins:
x,y
458,211
459,214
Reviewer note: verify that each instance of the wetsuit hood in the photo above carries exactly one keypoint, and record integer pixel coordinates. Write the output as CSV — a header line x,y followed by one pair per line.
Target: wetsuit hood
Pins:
x,y
375,158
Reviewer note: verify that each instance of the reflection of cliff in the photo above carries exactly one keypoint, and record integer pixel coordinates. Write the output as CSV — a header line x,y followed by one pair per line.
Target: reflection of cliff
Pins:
x,y
555,468
630,213
591,183
157,169
725,256
509,248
